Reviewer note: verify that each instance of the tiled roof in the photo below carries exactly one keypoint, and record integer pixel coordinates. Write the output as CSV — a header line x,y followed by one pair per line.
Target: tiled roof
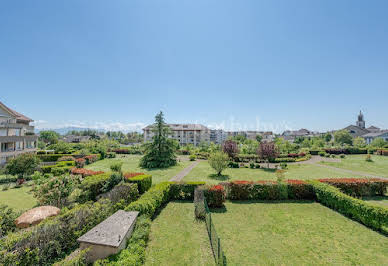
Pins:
x,y
15,114
375,134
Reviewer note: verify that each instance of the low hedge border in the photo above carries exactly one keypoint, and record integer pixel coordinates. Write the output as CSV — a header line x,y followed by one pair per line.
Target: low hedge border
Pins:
x,y
359,187
183,190
372,216
144,182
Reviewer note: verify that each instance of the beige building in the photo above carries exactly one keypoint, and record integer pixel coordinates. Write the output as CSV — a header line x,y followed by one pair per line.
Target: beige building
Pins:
x,y
16,134
183,133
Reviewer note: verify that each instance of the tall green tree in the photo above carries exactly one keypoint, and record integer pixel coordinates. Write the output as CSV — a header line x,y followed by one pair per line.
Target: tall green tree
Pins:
x,y
343,137
160,153
49,136
23,165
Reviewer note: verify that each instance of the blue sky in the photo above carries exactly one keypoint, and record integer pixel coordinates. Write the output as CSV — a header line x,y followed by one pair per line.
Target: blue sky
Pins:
x,y
234,64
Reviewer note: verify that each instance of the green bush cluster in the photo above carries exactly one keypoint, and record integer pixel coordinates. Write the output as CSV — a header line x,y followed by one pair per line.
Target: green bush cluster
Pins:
x,y
246,158
245,190
183,190
94,185
61,167
52,157
375,217
192,157
55,237
284,160
7,218
150,201
144,182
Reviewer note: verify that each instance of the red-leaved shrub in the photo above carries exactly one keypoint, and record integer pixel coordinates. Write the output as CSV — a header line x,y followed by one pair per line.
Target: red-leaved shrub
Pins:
x,y
130,175
215,196
85,172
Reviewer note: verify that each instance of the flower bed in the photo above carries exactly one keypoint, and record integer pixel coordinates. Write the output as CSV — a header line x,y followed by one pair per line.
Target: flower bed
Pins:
x,y
85,172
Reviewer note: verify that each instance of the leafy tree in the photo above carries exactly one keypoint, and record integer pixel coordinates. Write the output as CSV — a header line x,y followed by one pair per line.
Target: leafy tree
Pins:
x,y
7,220
218,161
328,137
61,147
23,165
378,143
359,142
259,138
49,136
230,148
267,151
343,137
160,153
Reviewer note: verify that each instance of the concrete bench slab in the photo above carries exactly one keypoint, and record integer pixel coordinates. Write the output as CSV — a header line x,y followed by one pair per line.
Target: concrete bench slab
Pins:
x,y
110,236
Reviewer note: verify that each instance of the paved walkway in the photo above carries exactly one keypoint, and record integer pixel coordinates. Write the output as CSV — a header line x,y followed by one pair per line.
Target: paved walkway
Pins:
x,y
184,172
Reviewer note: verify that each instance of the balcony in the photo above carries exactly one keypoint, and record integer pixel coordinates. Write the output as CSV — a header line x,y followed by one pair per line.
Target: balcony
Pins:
x,y
18,138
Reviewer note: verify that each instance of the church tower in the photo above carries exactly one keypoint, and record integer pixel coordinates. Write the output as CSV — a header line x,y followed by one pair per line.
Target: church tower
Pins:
x,y
360,122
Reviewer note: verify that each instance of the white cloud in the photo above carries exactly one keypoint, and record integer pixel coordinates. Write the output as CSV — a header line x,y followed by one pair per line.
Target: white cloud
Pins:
x,y
108,126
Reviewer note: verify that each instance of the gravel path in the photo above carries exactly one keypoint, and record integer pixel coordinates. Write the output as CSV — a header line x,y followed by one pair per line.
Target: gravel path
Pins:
x,y
184,172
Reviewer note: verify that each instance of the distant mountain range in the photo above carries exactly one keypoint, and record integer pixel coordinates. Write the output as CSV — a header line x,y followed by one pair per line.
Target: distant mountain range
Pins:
x,y
65,130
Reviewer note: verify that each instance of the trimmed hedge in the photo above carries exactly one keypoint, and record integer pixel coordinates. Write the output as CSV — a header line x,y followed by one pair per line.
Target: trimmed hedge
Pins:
x,y
215,196
55,237
144,182
183,190
375,217
359,187
269,190
55,157
349,150
92,186
150,201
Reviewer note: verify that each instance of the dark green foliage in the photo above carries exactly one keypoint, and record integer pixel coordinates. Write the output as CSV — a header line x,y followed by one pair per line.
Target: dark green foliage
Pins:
x,y
7,220
116,167
22,165
114,179
375,217
160,153
51,157
150,201
184,190
284,160
144,182
94,185
77,258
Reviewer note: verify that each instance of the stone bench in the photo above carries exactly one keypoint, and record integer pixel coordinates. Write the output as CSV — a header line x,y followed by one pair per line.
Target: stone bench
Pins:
x,y
110,236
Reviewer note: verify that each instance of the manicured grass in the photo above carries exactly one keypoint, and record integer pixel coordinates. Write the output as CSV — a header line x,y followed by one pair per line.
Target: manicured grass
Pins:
x,y
378,167
295,233
131,164
178,239
203,172
20,199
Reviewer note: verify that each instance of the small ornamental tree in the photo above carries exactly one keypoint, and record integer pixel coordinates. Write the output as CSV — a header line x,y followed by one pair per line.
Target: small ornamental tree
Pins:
x,y
160,153
267,151
343,137
230,148
218,161
23,165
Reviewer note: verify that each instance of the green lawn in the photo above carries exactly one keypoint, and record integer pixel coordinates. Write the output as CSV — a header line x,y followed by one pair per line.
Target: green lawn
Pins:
x,y
295,233
203,172
178,239
378,167
131,164
20,199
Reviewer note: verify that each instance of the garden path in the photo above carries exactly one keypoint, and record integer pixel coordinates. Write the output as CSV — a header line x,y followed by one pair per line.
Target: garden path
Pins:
x,y
184,172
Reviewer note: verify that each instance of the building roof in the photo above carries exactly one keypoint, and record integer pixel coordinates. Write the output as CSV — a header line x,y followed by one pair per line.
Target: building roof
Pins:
x,y
15,114
375,134
182,127
372,128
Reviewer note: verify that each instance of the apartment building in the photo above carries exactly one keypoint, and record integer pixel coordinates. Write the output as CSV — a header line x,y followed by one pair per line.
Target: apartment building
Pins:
x,y
251,134
218,136
16,134
183,133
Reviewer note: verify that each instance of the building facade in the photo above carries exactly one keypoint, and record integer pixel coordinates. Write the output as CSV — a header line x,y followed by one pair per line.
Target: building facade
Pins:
x,y
184,133
374,135
16,134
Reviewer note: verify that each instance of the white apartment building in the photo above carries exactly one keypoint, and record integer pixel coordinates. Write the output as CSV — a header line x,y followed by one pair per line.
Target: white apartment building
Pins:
x,y
16,134
183,133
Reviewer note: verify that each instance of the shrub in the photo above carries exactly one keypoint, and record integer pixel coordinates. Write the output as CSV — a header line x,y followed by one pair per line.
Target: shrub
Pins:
x,y
202,155
368,158
322,153
233,165
283,160
269,190
246,158
257,166
192,157
184,190
66,158
80,163
151,200
375,217
85,172
116,167
51,157
327,155
61,170
110,155
359,187
230,148
342,156
215,196
252,165
114,179
91,158
144,182
7,218
332,156
54,191
93,185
